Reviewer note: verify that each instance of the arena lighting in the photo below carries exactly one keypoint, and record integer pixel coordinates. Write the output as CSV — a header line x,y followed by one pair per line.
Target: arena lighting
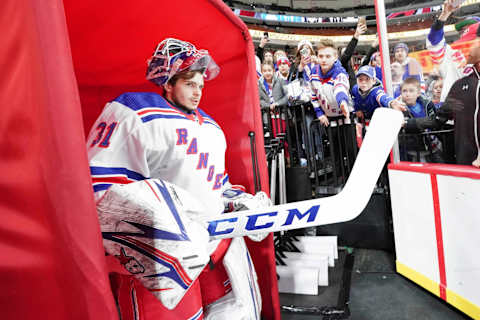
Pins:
x,y
404,35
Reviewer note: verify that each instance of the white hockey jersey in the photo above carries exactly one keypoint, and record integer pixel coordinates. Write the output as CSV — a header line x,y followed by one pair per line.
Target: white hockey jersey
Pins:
x,y
140,135
330,90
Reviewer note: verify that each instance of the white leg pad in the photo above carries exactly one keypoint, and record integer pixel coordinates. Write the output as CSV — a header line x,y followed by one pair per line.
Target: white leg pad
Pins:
x,y
244,301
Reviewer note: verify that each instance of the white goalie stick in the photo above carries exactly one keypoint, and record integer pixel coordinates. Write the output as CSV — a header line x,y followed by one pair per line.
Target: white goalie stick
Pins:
x,y
344,206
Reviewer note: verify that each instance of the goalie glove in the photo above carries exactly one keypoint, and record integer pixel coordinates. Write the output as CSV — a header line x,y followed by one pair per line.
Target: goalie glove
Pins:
x,y
236,199
150,226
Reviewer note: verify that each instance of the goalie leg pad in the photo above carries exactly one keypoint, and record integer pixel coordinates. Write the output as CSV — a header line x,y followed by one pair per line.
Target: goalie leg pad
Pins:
x,y
244,301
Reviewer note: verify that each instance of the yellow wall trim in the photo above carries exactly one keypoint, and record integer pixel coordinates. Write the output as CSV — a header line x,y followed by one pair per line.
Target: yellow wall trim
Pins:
x,y
418,278
454,299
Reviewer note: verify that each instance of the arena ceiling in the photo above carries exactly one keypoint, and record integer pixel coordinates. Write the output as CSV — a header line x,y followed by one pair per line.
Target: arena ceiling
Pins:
x,y
341,8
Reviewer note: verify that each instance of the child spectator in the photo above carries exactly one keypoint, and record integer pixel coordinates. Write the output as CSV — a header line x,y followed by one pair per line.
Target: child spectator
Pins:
x,y
276,55
330,85
418,107
368,94
411,95
272,92
437,86
283,65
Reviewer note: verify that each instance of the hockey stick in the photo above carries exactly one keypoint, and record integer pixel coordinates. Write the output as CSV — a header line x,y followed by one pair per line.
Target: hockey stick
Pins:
x,y
344,206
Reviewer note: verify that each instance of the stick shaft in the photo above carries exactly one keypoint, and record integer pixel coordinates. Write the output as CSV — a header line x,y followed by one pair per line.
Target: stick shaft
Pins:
x,y
346,205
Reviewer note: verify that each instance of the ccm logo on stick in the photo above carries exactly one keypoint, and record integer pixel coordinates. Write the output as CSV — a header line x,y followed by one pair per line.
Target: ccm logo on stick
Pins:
x,y
228,225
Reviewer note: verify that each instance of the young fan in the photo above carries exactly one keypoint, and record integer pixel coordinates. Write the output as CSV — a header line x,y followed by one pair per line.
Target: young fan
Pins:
x,y
368,94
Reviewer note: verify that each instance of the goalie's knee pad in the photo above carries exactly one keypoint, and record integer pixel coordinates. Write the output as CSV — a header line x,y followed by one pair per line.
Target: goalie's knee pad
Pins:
x,y
151,227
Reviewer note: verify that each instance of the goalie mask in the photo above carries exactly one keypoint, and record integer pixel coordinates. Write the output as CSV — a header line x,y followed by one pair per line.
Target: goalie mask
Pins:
x,y
173,56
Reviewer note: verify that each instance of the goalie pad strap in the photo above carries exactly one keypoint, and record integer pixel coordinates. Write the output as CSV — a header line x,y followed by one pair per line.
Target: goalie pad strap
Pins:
x,y
219,253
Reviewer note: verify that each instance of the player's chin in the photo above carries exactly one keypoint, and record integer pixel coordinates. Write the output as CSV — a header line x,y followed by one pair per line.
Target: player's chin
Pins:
x,y
192,105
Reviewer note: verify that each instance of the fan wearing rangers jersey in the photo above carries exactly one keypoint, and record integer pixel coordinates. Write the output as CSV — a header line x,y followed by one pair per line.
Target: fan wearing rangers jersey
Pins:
x,y
330,84
158,171
450,62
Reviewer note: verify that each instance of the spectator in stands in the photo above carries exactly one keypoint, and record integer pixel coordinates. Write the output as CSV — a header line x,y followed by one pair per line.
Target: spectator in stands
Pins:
x,y
450,62
332,105
303,61
265,56
368,94
437,86
276,55
433,75
411,67
268,57
271,91
462,104
418,107
283,68
300,70
330,85
373,59
397,73
376,62
347,52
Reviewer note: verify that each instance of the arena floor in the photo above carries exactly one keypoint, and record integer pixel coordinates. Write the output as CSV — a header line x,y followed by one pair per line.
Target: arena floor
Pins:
x,y
377,292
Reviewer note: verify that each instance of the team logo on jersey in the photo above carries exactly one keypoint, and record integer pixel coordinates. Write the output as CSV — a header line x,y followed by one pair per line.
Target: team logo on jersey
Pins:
x,y
174,271
465,87
130,263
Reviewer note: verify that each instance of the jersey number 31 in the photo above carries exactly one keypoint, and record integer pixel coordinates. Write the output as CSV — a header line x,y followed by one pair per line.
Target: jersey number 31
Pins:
x,y
103,138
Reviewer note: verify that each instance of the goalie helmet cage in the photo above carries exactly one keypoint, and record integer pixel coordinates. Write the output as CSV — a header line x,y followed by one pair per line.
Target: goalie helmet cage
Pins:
x,y
109,46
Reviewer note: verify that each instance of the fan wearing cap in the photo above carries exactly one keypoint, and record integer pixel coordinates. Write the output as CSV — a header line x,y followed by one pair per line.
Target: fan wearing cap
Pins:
x,y
451,63
411,67
368,94
147,136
